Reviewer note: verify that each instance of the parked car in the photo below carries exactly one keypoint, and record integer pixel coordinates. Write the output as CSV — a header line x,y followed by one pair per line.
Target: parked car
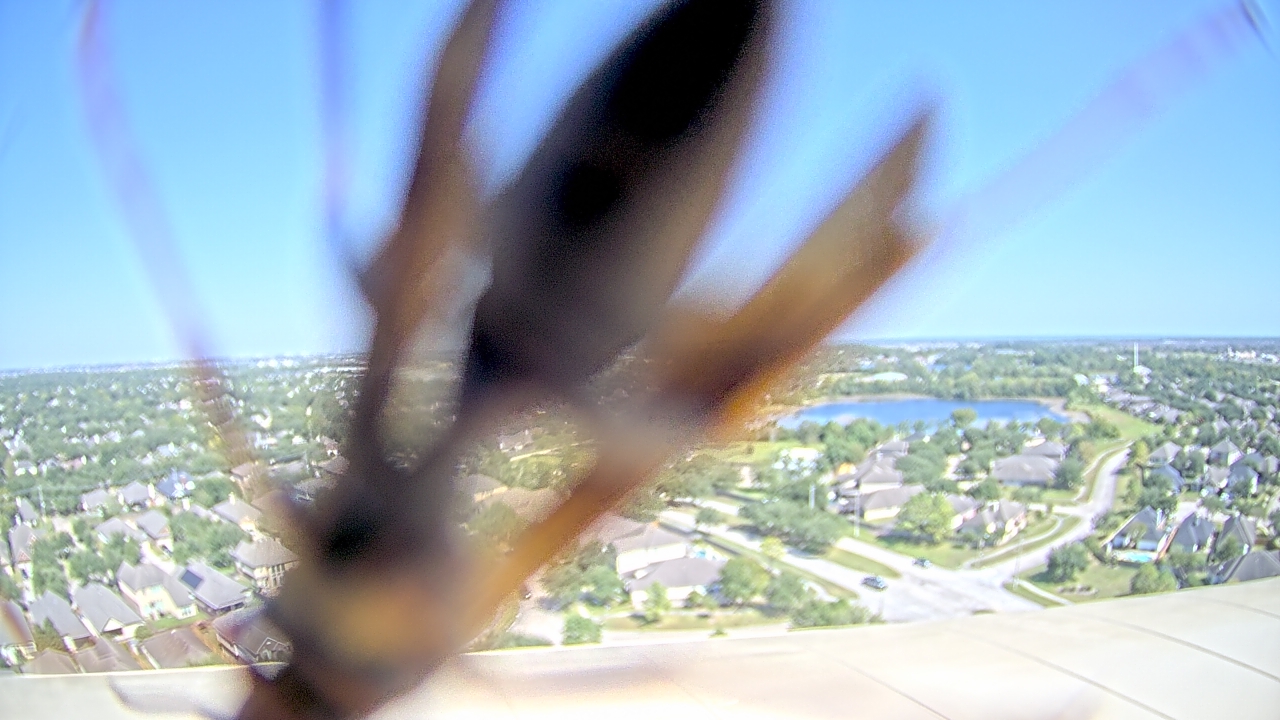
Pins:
x,y
875,581
924,562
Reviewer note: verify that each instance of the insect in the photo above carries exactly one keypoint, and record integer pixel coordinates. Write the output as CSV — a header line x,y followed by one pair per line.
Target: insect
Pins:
x,y
586,247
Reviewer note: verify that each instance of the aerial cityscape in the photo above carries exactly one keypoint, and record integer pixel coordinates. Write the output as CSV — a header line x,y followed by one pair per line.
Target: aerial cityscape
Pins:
x,y
880,485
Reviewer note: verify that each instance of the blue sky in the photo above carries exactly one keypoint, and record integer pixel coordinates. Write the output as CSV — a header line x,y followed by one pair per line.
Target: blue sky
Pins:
x,y
1175,233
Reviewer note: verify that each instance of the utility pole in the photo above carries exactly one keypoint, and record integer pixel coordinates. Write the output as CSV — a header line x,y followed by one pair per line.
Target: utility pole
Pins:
x,y
857,514
813,488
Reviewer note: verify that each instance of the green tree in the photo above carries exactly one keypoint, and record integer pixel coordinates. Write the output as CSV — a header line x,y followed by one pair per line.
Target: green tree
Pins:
x,y
1226,550
49,577
1070,474
707,516
1067,561
580,630
742,579
497,522
963,417
772,548
926,515
9,589
88,566
1151,579
656,602
816,613
46,637
786,591
602,585
986,491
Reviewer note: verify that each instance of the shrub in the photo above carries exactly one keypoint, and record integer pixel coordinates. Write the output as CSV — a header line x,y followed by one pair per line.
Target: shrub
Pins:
x,y
579,630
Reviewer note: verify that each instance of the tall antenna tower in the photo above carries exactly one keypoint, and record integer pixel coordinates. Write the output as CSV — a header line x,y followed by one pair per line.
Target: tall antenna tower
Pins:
x,y
1135,357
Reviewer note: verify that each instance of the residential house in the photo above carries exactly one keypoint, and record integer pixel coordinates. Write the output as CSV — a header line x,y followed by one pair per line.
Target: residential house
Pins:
x,y
1215,478
651,545
177,648
249,637
1242,480
215,591
156,527
1164,455
239,513
1253,565
515,442
609,528
105,655
154,592
136,495
681,577
1048,448
116,526
893,448
51,662
265,561
963,508
997,522
21,540
1242,528
1224,453
882,505
1193,534
27,512
6,562
1175,478
308,490
879,473
1144,532
480,487
176,487
1024,470
106,614
531,505
94,500
17,644
55,610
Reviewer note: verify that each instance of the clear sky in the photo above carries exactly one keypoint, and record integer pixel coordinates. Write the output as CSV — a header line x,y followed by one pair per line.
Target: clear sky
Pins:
x,y
1176,233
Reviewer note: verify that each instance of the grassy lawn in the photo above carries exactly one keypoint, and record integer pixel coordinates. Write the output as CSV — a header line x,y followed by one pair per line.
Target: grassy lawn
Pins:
x,y
1022,592
854,561
744,452
945,554
1106,581
735,549
159,625
1013,547
1130,427
682,620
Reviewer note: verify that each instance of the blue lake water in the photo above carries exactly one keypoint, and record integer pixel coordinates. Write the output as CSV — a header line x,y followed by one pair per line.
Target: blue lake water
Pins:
x,y
930,410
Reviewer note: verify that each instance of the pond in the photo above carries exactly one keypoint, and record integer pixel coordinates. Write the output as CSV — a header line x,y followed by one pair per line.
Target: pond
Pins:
x,y
930,410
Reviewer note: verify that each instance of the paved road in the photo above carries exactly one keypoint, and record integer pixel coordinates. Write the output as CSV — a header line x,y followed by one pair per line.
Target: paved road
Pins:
x,y
919,594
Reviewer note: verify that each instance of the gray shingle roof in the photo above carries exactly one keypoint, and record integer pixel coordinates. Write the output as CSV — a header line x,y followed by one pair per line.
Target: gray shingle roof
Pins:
x,y
176,648
890,498
14,629
21,538
651,537
1255,565
57,612
237,511
135,493
1024,468
105,655
213,589
94,499
146,575
176,485
264,552
50,662
26,511
250,632
102,608
1194,533
116,526
679,573
154,524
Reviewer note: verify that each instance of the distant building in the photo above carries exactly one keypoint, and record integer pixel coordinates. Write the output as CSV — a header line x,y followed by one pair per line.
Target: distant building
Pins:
x,y
176,487
239,513
651,545
21,540
94,500
249,637
515,442
55,610
1253,565
996,523
105,655
156,527
1024,470
27,512
1048,448
17,644
177,648
136,495
681,577
105,613
213,590
116,526
480,487
881,505
51,662
1193,534
153,592
265,561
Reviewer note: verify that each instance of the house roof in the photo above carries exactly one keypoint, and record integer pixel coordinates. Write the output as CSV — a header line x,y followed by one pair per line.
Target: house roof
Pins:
x,y
26,511
177,648
94,498
21,538
610,528
264,552
146,575
212,588
651,537
116,526
154,524
103,609
890,497
880,472
236,511
176,485
1242,528
1048,449
961,504
1226,447
1172,473
997,514
1035,468
1165,454
1194,532
1216,476
14,629
50,662
105,655
1150,519
57,612
249,630
1254,565
473,484
528,504
679,573
135,493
